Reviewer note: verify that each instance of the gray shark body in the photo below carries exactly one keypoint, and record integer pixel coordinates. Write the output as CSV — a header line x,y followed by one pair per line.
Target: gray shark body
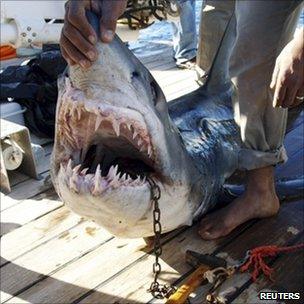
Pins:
x,y
114,129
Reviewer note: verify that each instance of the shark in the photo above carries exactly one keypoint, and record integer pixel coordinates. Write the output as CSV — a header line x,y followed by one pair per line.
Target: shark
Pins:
x,y
115,132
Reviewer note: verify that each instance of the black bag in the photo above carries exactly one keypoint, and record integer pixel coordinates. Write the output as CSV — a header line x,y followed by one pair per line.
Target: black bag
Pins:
x,y
34,86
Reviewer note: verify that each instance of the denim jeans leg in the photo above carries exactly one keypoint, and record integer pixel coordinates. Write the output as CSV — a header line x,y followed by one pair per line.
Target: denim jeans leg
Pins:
x,y
184,32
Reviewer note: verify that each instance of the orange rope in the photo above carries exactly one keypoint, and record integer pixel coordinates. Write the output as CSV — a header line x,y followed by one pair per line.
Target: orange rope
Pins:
x,y
258,264
7,52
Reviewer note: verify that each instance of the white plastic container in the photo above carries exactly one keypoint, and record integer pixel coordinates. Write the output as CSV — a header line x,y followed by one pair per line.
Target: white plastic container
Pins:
x,y
13,112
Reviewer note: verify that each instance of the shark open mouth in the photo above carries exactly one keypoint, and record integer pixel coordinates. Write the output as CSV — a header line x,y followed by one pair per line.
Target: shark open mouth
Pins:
x,y
109,147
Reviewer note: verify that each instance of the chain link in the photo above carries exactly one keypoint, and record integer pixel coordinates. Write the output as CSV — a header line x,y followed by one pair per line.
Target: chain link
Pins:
x,y
158,291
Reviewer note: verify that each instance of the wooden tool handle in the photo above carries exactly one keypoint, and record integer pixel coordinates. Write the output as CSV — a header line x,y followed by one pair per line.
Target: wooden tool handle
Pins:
x,y
195,279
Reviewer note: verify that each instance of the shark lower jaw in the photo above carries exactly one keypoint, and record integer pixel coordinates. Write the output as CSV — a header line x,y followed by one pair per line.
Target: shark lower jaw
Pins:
x,y
104,147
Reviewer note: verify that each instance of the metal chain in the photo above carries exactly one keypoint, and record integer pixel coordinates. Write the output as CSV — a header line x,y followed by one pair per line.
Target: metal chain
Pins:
x,y
158,291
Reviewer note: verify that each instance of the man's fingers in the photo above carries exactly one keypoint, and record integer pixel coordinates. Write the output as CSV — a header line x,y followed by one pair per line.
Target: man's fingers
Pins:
x,y
73,54
279,93
76,38
110,13
274,76
107,28
66,56
77,17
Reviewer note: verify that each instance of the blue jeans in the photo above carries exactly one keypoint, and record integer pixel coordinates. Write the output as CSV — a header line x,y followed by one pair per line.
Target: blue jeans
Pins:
x,y
184,32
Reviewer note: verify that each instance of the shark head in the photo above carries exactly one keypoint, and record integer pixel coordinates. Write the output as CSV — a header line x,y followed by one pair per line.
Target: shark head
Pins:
x,y
114,134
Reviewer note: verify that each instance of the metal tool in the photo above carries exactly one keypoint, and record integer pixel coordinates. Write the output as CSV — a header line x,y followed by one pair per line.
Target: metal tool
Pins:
x,y
202,263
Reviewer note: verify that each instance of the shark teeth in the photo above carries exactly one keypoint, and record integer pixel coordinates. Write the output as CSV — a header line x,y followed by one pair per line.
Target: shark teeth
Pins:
x,y
74,182
112,172
79,110
116,127
69,168
134,135
78,180
76,169
76,108
136,130
97,181
84,171
98,122
137,181
149,151
124,177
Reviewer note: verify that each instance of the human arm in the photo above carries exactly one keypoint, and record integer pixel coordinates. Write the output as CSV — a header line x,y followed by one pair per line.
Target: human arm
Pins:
x,y
288,76
78,38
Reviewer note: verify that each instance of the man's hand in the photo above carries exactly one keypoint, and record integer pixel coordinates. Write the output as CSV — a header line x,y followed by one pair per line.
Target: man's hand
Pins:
x,y
288,76
78,38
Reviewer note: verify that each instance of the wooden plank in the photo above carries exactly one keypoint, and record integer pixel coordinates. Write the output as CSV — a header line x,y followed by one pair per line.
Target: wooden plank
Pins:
x,y
40,140
277,230
52,256
287,277
5,295
16,178
173,85
162,75
33,234
132,283
48,148
162,65
173,95
6,201
28,210
31,187
177,78
180,87
79,277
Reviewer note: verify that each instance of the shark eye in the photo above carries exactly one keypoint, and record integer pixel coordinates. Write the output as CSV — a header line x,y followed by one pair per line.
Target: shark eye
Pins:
x,y
134,75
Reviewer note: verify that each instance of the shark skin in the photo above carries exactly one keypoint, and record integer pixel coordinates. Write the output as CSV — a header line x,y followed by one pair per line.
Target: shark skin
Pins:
x,y
114,129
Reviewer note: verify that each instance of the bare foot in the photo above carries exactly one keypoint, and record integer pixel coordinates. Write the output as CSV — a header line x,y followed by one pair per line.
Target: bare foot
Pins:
x,y
259,201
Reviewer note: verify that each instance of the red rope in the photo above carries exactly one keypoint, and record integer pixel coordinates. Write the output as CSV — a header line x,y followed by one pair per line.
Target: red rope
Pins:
x,y
258,264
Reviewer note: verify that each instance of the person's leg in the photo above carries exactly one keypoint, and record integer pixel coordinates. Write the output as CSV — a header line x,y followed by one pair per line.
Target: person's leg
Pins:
x,y
263,29
184,33
215,16
258,201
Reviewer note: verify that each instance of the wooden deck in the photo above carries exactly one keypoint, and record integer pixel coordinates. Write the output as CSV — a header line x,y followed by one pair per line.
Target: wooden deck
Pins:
x,y
50,255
